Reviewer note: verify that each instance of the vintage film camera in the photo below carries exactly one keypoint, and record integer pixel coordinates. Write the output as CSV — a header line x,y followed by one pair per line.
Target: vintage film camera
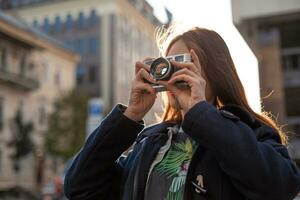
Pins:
x,y
161,69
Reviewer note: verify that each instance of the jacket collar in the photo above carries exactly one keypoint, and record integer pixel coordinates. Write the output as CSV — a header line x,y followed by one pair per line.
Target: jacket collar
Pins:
x,y
155,129
236,110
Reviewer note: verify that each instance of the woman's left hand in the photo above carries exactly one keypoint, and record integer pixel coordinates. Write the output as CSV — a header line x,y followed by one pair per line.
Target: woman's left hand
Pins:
x,y
191,74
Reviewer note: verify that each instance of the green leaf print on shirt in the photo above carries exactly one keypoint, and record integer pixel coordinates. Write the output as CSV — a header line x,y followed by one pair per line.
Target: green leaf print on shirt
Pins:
x,y
175,165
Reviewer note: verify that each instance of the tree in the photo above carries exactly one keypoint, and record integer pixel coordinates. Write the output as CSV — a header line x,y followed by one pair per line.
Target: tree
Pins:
x,y
67,125
21,140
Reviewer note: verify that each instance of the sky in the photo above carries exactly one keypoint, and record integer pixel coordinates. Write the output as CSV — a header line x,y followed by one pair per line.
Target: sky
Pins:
x,y
216,15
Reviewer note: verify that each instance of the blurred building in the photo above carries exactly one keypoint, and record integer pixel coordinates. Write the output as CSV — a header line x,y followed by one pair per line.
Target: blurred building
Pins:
x,y
34,70
110,35
272,30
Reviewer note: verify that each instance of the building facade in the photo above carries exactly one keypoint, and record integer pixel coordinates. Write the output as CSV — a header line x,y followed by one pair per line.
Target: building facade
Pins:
x,y
34,70
272,30
110,36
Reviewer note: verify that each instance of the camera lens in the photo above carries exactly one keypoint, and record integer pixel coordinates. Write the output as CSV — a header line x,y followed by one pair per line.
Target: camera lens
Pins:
x,y
160,69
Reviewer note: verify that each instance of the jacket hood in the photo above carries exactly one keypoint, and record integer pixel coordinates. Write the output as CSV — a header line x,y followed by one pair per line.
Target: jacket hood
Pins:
x,y
236,111
242,114
262,131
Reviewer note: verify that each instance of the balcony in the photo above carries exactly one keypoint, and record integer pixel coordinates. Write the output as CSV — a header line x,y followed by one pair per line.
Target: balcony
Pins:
x,y
291,66
18,81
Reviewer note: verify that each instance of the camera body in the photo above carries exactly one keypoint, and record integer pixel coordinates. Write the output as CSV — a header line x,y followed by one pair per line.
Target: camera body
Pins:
x,y
161,69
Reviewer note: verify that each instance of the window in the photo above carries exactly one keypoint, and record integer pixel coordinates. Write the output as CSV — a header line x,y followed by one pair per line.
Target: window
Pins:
x,y
292,99
291,62
46,26
42,115
92,74
69,44
295,59
80,73
93,45
78,45
93,18
287,64
57,79
74,45
15,3
289,34
1,113
2,59
57,24
0,161
81,19
35,23
45,76
69,22
81,46
296,129
23,65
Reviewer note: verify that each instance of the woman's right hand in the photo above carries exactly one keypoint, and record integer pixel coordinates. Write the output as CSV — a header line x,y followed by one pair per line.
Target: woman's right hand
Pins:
x,y
142,95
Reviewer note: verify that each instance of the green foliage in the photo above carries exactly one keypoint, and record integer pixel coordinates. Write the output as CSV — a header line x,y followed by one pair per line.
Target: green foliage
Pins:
x,y
21,140
177,155
174,165
67,125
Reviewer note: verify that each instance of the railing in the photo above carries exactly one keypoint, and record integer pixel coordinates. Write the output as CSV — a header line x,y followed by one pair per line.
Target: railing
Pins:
x,y
18,81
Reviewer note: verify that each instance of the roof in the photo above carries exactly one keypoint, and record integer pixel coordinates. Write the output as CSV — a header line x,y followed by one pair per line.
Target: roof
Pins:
x,y
23,26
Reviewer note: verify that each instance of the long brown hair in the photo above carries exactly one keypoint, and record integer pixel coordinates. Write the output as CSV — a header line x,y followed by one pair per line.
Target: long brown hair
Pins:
x,y
217,64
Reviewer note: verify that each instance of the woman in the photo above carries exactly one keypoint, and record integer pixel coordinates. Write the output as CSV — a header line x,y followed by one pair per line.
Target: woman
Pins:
x,y
209,145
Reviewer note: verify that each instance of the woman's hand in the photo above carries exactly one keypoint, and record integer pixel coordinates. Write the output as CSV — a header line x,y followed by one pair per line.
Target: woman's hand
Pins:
x,y
191,74
142,96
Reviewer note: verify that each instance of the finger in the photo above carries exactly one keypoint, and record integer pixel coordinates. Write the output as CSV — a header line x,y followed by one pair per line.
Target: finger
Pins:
x,y
148,58
145,87
182,77
185,71
143,74
195,60
189,65
139,65
169,87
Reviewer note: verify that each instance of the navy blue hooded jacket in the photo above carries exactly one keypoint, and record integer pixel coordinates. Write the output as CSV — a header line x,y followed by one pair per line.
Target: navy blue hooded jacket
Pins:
x,y
239,158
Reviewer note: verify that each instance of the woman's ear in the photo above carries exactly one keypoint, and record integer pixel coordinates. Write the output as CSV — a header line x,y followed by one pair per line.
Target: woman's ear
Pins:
x,y
192,60
195,59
